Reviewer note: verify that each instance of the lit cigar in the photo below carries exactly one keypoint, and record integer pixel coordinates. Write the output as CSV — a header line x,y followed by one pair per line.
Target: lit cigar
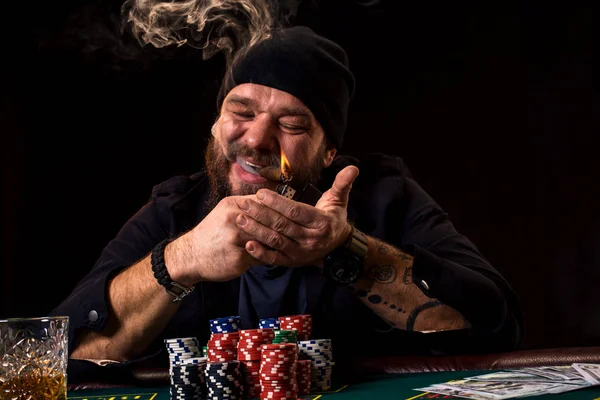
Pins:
x,y
271,173
287,186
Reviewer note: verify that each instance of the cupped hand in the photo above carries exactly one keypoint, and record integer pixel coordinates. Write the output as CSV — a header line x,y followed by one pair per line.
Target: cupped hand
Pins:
x,y
285,232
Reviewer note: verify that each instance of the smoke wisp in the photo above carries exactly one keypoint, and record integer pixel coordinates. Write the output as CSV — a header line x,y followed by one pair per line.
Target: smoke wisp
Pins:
x,y
213,26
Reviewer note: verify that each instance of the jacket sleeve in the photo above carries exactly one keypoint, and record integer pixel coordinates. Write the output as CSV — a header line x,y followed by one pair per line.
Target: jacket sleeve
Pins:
x,y
87,305
447,266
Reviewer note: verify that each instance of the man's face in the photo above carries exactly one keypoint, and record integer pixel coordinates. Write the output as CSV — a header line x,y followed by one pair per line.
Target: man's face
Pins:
x,y
256,124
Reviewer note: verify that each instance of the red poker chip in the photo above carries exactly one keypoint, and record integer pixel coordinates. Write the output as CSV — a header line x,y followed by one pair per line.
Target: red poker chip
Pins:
x,y
276,362
279,346
277,372
278,397
283,352
287,356
257,331
247,357
278,365
284,376
278,389
282,383
268,369
277,392
225,334
222,345
221,353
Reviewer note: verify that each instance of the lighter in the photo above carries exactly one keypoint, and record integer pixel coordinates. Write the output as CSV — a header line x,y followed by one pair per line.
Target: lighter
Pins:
x,y
309,194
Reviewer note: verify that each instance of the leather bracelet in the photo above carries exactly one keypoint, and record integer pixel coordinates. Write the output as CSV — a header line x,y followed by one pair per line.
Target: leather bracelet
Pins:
x,y
157,260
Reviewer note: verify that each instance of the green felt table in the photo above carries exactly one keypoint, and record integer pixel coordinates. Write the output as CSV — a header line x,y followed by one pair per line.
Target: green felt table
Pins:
x,y
400,386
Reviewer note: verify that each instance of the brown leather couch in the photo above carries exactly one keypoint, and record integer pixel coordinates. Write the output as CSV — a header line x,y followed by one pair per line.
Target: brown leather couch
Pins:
x,y
394,365
515,359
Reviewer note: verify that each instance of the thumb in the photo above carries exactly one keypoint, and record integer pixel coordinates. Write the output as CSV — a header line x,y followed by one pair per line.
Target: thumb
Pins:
x,y
337,196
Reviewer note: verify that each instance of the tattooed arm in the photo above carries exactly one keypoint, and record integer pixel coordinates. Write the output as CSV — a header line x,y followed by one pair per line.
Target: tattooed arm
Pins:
x,y
387,288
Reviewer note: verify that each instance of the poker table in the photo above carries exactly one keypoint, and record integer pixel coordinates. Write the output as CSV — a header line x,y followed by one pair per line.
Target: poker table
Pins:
x,y
389,386
376,378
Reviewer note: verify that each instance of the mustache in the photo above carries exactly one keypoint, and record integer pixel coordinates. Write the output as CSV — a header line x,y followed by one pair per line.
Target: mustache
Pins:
x,y
240,150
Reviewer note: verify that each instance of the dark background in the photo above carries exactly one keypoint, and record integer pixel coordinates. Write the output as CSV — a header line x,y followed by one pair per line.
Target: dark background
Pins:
x,y
489,105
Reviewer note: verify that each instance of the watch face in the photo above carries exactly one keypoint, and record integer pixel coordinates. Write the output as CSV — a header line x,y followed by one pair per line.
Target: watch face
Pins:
x,y
345,271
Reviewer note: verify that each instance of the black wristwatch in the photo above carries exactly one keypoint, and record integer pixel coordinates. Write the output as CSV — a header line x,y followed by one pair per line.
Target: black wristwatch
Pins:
x,y
345,264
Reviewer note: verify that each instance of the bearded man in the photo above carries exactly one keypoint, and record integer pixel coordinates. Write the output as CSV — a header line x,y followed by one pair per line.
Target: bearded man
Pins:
x,y
374,260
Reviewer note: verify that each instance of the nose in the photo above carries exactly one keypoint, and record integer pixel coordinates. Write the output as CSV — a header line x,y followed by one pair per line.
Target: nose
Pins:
x,y
261,134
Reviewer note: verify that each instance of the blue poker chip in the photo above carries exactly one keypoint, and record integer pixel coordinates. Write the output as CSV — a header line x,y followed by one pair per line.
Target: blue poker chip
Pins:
x,y
270,323
225,328
226,320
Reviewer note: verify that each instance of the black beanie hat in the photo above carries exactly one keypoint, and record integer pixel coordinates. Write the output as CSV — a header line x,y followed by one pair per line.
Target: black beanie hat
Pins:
x,y
308,66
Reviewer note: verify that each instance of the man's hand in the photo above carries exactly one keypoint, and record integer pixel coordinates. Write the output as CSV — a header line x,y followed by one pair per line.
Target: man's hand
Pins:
x,y
214,249
289,233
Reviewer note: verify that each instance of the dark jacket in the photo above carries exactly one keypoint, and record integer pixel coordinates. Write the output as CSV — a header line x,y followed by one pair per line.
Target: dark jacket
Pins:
x,y
386,203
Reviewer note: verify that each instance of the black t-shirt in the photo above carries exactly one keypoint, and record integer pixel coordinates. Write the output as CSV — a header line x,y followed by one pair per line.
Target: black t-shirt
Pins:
x,y
385,203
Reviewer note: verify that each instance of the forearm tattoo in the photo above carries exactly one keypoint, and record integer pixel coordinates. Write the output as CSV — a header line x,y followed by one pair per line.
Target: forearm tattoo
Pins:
x,y
376,299
394,266
407,276
382,273
412,317
383,250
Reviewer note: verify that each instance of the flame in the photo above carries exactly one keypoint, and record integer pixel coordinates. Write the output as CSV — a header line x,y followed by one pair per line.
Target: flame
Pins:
x,y
286,168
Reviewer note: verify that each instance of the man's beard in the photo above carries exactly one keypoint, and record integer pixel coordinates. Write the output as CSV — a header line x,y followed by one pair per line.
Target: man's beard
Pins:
x,y
218,168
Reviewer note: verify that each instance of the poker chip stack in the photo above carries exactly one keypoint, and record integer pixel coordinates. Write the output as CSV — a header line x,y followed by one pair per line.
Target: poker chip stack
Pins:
x,y
320,353
269,323
222,345
186,368
302,324
224,380
303,376
278,368
282,336
249,355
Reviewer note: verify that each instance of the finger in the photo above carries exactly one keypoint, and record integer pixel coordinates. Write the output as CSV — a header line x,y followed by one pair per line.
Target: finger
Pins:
x,y
271,219
300,213
267,256
262,234
338,195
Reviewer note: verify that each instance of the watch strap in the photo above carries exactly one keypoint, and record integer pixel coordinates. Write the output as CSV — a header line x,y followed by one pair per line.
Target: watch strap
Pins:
x,y
159,268
358,244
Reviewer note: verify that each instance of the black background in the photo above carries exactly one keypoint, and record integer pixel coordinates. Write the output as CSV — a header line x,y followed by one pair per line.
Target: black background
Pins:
x,y
489,105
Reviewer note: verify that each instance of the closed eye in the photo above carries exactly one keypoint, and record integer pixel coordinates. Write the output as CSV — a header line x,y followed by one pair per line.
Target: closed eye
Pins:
x,y
294,129
243,114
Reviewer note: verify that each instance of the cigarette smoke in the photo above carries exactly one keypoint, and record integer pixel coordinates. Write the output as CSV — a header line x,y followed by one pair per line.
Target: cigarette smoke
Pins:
x,y
213,26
